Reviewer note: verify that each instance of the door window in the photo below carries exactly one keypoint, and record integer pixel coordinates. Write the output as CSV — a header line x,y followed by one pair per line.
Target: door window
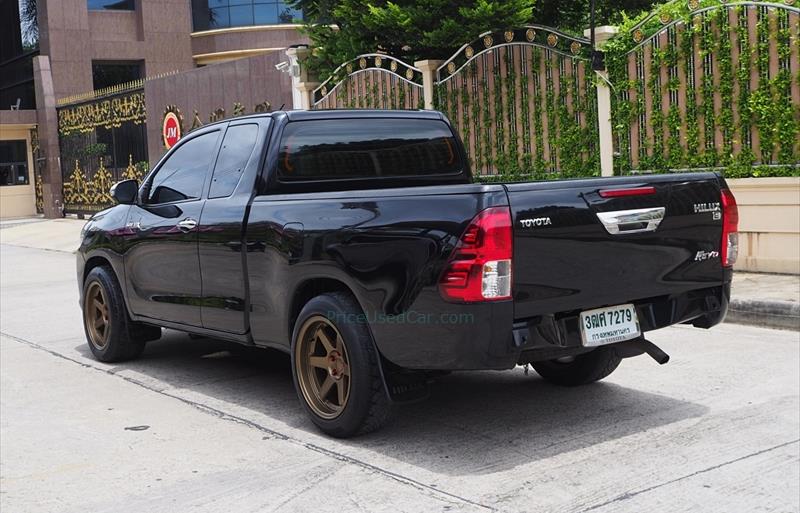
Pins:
x,y
233,157
182,176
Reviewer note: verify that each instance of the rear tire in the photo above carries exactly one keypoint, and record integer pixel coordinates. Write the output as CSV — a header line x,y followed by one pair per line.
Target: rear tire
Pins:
x,y
111,334
336,368
582,370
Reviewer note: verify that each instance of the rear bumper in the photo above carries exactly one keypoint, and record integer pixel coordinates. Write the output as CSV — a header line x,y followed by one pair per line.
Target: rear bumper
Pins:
x,y
493,340
702,308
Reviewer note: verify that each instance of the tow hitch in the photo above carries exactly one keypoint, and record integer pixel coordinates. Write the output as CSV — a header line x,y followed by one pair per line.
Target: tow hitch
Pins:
x,y
639,346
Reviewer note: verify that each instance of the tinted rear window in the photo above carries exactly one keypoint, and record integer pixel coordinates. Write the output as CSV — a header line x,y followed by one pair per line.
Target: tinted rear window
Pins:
x,y
367,148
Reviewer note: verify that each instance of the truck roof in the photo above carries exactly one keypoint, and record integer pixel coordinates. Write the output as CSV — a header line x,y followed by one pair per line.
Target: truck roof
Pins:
x,y
298,115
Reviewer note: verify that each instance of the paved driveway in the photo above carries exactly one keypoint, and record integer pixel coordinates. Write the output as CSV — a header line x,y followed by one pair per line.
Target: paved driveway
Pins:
x,y
203,425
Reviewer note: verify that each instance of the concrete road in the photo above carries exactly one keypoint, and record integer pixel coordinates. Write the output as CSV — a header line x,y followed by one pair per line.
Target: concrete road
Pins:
x,y
202,425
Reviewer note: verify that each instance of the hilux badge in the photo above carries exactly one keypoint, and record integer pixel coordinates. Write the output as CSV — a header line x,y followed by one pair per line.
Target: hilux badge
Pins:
x,y
536,221
714,208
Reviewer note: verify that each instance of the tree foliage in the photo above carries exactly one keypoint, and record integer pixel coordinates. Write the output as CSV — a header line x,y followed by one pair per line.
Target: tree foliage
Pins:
x,y
434,29
408,29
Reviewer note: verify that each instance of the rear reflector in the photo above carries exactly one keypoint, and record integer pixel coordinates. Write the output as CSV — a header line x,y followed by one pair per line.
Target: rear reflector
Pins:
x,y
730,229
480,266
621,193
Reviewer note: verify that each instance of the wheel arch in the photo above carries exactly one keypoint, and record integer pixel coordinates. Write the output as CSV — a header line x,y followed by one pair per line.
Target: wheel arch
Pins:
x,y
309,289
95,261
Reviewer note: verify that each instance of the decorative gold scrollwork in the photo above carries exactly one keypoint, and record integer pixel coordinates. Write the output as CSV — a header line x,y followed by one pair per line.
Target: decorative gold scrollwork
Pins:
x,y
508,35
378,61
362,63
530,35
451,67
552,40
81,193
393,66
575,47
638,35
134,172
469,52
108,113
409,73
488,41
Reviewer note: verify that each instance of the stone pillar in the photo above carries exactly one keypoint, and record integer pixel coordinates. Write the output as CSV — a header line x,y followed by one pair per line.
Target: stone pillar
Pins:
x,y
603,34
428,68
301,85
48,137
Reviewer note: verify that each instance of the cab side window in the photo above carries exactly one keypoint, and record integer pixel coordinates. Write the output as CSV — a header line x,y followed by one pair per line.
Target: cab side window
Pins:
x,y
182,175
233,157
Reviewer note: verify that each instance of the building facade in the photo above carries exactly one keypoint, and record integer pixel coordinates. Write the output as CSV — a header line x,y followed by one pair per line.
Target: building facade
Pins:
x,y
57,52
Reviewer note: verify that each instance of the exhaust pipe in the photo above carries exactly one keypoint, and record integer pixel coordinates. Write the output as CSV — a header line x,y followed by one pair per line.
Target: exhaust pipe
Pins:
x,y
654,351
639,346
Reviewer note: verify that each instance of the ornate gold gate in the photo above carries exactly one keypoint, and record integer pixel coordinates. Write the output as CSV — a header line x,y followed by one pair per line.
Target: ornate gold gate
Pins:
x,y
103,139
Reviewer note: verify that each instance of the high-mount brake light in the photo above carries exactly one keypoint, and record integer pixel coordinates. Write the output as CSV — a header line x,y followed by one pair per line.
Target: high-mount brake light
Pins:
x,y
480,266
730,228
622,193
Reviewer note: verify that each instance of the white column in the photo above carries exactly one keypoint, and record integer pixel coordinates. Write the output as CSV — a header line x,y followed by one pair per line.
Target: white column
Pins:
x,y
428,68
603,34
305,91
301,90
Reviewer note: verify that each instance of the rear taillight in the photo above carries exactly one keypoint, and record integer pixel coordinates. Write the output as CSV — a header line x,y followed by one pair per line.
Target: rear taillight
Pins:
x,y
730,229
480,266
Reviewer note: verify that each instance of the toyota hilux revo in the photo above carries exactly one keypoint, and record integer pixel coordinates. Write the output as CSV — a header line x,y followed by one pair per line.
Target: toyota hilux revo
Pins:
x,y
357,242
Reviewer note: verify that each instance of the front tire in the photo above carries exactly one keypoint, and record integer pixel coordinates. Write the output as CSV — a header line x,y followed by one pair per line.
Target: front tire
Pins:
x,y
579,370
111,334
336,368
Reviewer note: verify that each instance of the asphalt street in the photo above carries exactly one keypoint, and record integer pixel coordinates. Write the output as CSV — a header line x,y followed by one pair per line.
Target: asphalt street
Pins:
x,y
207,426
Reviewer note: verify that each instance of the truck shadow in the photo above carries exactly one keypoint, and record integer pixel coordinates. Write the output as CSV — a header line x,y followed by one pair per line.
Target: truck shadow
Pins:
x,y
473,422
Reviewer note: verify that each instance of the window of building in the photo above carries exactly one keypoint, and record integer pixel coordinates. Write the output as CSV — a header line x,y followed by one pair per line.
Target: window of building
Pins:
x,y
13,163
366,148
107,74
115,5
183,174
233,157
215,14
19,43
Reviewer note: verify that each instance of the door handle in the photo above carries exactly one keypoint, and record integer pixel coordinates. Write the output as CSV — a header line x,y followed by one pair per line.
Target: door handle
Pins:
x,y
187,225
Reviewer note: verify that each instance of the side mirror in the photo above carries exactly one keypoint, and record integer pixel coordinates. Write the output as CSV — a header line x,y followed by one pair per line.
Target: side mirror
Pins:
x,y
125,191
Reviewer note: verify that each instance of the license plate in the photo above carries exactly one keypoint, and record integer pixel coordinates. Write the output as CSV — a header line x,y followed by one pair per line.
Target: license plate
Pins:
x,y
609,325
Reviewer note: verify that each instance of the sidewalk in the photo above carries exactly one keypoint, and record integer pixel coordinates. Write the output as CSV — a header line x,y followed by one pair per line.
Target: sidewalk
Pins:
x,y
39,233
768,300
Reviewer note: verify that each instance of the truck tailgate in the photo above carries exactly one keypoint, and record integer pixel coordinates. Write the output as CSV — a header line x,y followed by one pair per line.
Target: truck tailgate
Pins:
x,y
664,238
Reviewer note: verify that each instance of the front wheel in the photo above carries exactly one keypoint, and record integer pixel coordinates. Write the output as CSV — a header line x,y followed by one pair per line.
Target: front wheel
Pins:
x,y
579,370
110,332
336,369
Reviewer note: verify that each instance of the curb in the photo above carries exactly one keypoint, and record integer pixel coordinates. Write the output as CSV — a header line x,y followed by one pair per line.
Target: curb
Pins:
x,y
783,315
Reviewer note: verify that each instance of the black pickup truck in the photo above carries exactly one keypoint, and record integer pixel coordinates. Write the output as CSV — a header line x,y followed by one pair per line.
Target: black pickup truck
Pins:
x,y
358,242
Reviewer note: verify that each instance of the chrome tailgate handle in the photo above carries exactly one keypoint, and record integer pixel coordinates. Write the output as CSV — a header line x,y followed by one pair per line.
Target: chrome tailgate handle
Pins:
x,y
632,221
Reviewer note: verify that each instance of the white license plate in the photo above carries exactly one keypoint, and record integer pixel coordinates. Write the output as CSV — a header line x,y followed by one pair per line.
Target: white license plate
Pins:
x,y
609,325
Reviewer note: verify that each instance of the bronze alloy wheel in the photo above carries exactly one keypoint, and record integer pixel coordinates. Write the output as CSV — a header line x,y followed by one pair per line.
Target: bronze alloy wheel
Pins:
x,y
323,368
96,315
